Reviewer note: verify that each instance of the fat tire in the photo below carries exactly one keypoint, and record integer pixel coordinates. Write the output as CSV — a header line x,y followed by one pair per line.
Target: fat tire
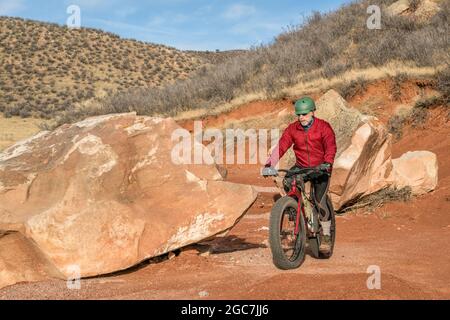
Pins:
x,y
279,257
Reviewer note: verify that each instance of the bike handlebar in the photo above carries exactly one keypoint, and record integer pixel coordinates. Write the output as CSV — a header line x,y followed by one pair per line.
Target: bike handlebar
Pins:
x,y
305,171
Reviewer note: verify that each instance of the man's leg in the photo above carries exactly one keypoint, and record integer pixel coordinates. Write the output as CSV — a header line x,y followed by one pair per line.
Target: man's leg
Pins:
x,y
320,190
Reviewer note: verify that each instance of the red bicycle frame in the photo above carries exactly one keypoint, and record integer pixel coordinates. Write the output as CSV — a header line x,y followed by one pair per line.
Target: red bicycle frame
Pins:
x,y
295,193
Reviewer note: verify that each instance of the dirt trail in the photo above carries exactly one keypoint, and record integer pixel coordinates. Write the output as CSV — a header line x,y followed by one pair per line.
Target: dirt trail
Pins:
x,y
411,251
407,241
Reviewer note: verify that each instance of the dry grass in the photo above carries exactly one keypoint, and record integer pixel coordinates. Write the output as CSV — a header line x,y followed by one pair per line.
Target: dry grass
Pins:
x,y
392,69
378,199
16,128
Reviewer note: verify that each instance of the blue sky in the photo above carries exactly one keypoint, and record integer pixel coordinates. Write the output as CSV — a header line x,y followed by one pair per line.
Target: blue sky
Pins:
x,y
184,24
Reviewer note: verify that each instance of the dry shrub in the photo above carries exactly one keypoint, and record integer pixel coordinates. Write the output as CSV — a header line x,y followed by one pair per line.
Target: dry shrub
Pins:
x,y
395,125
353,88
396,85
378,199
414,5
443,85
418,117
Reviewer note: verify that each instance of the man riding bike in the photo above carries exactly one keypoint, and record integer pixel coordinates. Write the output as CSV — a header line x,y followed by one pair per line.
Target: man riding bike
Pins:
x,y
314,144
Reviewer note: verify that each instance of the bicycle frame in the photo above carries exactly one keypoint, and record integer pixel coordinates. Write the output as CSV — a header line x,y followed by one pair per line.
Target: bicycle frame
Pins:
x,y
296,192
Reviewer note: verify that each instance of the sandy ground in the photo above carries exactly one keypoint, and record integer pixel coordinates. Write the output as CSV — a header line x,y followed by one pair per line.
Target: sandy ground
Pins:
x,y
410,250
408,242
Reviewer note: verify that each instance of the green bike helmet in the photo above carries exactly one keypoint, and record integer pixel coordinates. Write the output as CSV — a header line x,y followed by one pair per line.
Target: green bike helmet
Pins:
x,y
304,105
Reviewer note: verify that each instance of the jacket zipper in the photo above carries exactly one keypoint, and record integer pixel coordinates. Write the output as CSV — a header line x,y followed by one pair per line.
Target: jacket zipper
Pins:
x,y
307,149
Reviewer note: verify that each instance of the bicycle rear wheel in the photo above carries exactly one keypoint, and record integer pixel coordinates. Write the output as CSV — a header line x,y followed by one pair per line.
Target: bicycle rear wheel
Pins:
x,y
288,249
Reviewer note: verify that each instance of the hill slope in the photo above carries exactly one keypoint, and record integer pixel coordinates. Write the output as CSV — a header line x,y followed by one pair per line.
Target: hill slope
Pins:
x,y
47,68
326,47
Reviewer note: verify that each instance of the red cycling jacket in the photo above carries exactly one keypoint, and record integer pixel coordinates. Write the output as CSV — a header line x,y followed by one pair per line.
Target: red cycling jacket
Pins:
x,y
311,148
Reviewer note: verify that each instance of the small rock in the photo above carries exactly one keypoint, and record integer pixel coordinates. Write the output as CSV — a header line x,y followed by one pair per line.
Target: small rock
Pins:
x,y
203,294
171,255
205,254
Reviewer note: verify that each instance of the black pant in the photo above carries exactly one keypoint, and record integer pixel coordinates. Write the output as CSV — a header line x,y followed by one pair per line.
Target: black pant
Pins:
x,y
320,185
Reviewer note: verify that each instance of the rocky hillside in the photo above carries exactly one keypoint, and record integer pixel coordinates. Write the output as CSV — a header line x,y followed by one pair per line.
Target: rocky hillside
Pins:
x,y
47,68
326,49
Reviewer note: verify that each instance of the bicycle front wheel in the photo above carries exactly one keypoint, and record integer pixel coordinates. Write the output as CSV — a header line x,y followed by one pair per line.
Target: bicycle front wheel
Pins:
x,y
288,249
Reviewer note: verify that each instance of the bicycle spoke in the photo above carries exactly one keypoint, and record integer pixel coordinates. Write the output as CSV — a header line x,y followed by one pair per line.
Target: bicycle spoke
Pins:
x,y
287,232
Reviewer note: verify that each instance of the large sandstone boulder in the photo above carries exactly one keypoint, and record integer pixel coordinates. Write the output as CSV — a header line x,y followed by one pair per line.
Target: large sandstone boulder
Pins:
x,y
104,194
364,167
344,119
20,261
416,169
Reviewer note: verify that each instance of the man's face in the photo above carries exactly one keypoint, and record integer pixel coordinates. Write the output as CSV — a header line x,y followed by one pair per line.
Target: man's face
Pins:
x,y
305,118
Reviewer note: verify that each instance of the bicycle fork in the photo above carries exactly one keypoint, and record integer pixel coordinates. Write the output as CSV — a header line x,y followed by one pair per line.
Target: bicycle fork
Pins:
x,y
310,221
300,210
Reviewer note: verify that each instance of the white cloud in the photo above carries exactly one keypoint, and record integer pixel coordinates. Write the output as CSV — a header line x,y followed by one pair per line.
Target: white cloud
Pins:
x,y
203,10
11,7
168,20
125,12
237,11
180,18
156,21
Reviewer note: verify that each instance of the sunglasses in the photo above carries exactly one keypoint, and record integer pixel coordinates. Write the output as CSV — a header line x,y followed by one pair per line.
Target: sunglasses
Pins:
x,y
302,114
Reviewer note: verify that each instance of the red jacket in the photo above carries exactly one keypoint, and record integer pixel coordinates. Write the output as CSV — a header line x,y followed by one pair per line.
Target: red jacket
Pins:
x,y
311,148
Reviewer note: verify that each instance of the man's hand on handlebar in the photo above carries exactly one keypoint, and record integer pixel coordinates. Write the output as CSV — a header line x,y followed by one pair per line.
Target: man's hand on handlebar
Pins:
x,y
269,172
325,167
